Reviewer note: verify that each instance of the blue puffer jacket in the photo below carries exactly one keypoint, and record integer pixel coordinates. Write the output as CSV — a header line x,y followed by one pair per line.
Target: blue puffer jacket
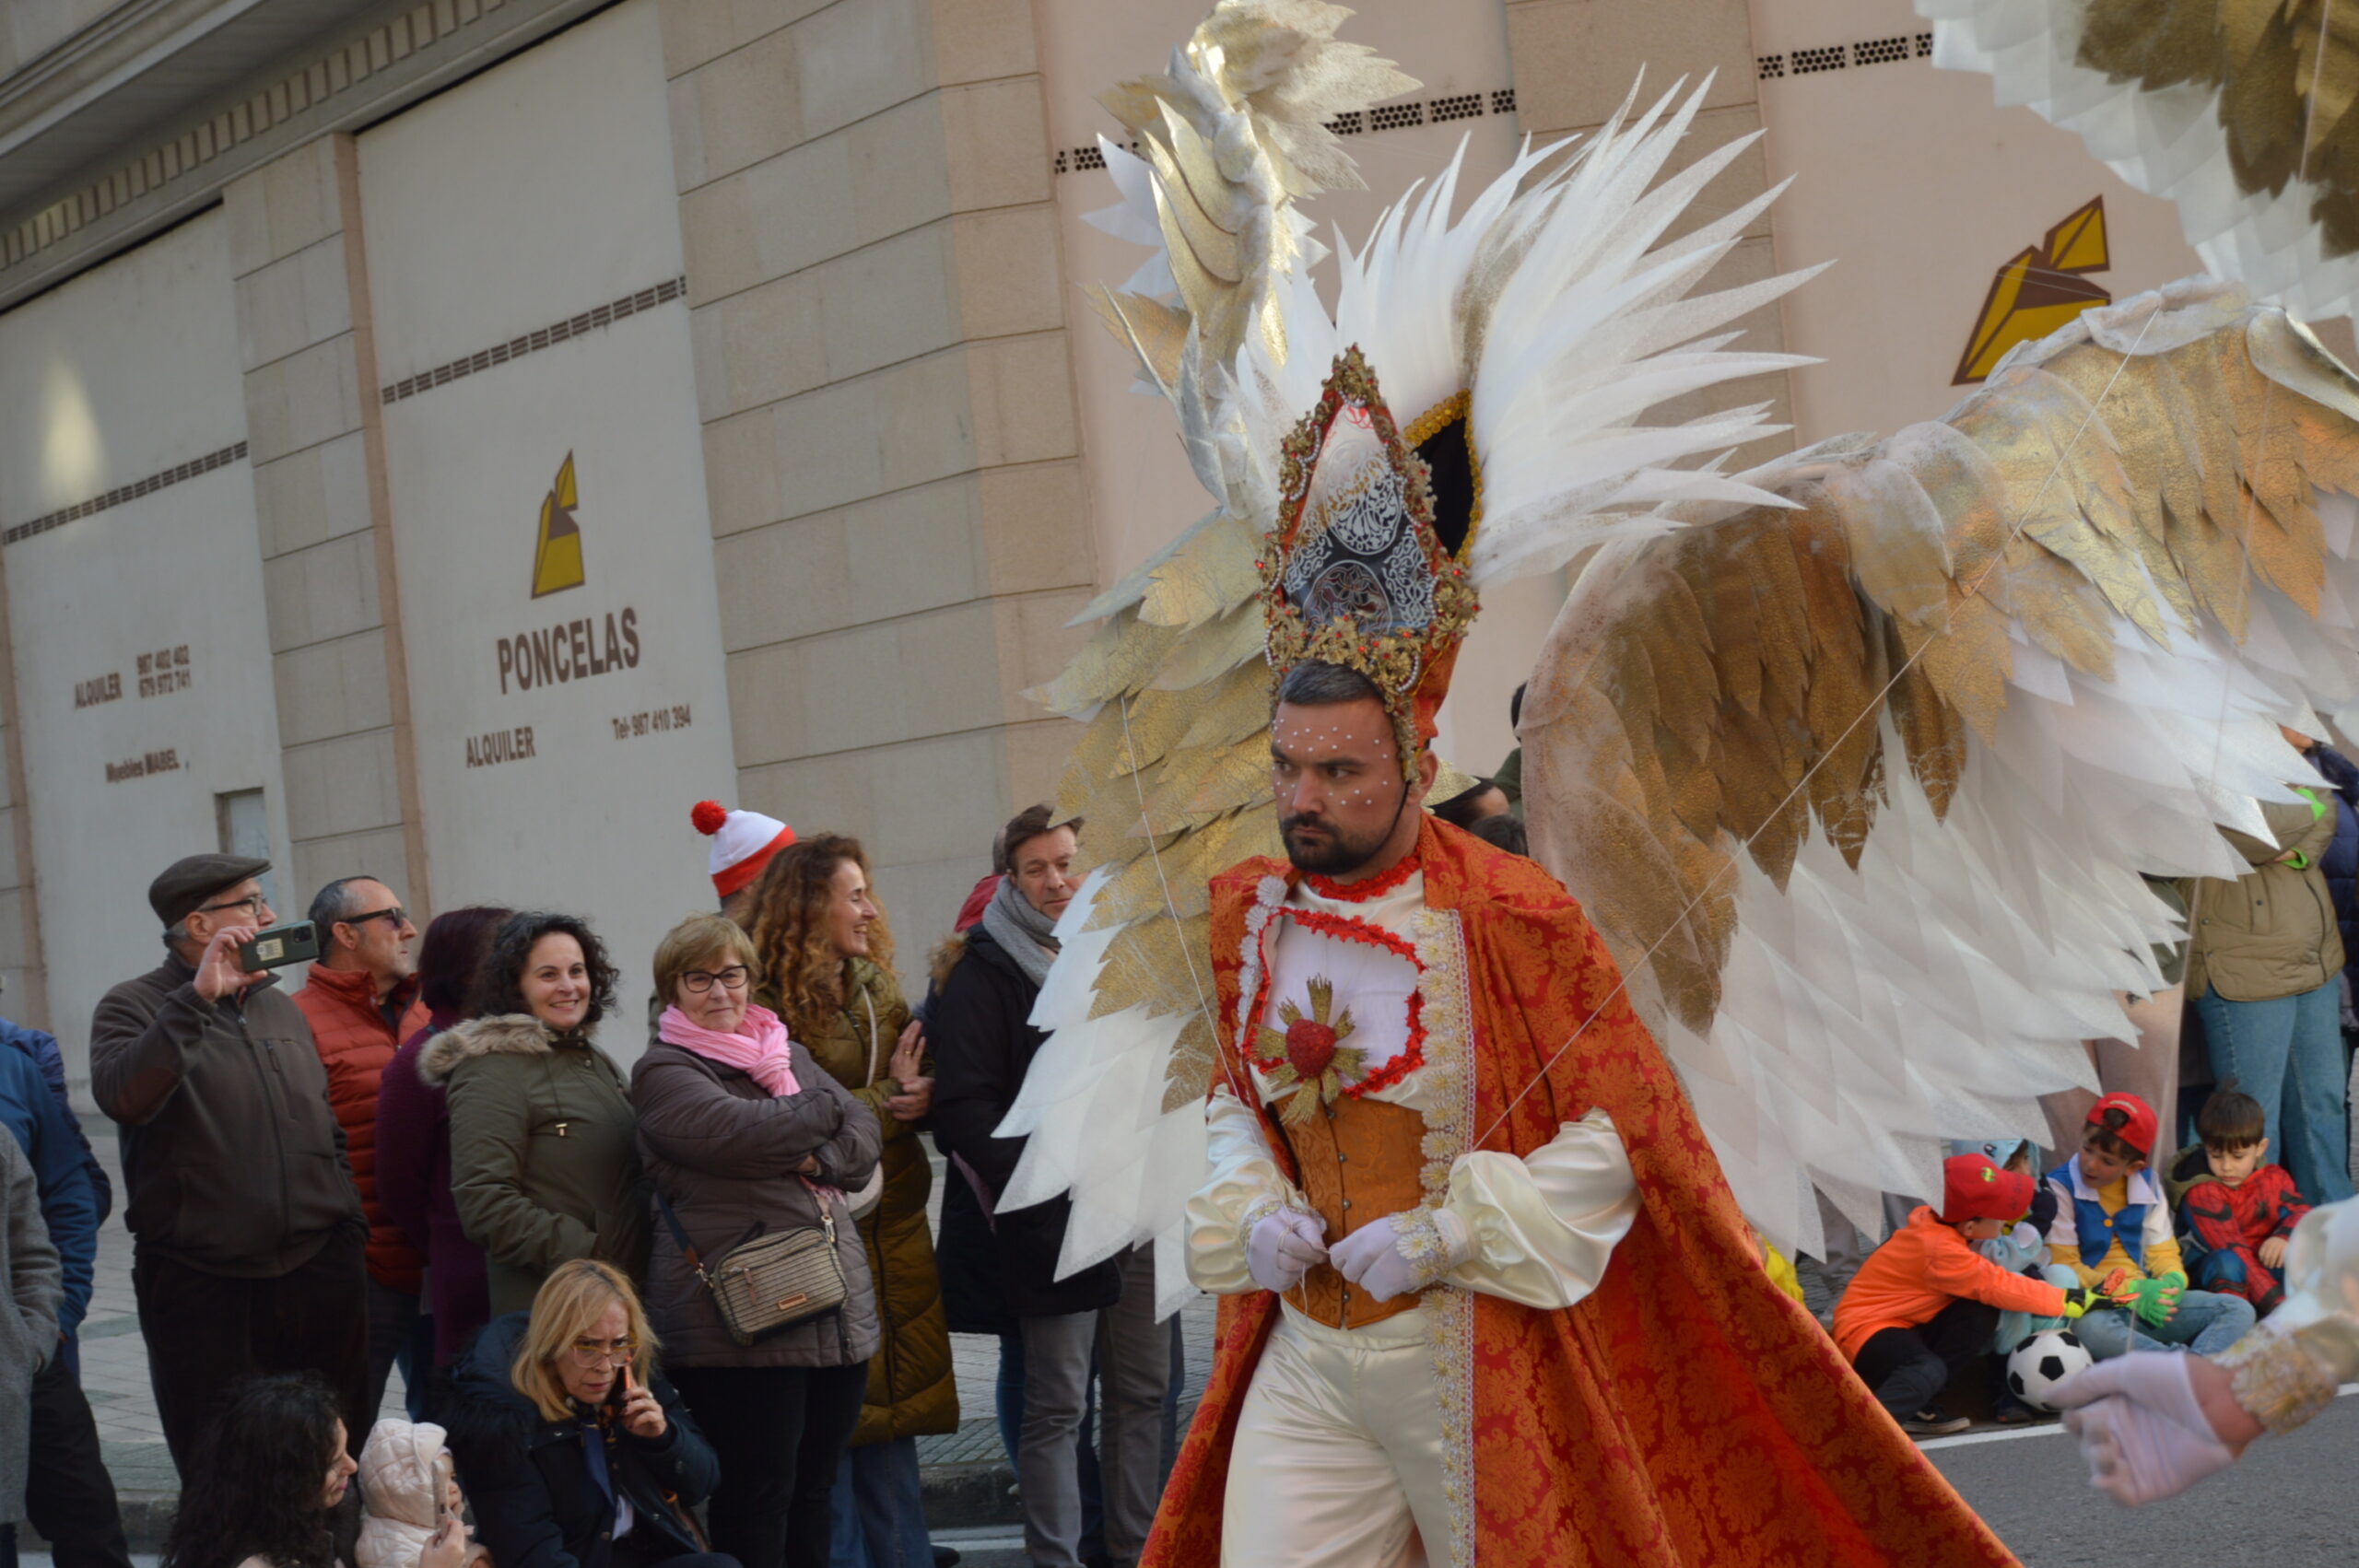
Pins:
x,y
71,1204
2340,861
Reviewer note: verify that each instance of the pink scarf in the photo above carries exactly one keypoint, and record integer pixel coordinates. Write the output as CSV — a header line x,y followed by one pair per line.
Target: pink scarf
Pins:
x,y
760,1052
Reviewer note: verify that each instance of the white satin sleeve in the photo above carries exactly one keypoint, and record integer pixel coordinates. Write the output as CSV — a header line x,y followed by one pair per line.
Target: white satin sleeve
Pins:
x,y
1245,1187
1540,1230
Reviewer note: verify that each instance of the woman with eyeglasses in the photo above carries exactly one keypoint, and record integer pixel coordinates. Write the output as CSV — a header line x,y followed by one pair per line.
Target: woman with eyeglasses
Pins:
x,y
572,1448
544,1144
744,1134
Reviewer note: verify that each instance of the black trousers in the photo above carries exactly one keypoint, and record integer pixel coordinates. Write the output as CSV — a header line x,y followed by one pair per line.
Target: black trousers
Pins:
x,y
69,1497
779,1432
1909,1367
207,1331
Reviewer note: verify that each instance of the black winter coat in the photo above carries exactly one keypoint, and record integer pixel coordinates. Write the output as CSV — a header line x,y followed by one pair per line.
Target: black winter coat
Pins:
x,y
2340,861
536,1502
982,1045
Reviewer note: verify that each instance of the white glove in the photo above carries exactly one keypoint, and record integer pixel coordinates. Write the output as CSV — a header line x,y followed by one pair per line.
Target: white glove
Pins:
x,y
1388,1258
1282,1246
2141,1429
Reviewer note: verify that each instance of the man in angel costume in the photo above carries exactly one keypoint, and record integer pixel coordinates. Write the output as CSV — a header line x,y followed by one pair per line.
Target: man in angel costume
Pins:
x,y
1851,765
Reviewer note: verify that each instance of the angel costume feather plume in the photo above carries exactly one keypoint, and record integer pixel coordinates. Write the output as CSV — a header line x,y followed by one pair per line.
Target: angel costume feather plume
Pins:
x,y
1854,759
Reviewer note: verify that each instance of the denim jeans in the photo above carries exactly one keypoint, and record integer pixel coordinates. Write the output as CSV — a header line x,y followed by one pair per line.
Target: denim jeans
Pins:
x,y
2287,1054
879,1509
2204,1323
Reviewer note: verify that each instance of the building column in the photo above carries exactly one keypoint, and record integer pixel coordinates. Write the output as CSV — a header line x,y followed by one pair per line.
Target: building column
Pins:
x,y
24,989
891,451
316,441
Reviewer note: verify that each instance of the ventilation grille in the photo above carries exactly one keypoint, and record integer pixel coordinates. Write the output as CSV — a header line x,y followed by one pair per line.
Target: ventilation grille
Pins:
x,y
1836,56
549,336
1359,122
123,493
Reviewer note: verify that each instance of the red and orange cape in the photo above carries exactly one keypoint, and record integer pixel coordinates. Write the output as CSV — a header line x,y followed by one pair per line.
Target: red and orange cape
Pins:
x,y
1688,1412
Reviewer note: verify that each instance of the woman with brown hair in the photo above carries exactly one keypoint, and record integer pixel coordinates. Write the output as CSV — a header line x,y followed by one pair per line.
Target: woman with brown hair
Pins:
x,y
823,943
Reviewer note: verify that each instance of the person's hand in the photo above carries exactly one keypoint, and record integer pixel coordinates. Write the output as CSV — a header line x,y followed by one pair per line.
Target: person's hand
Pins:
x,y
642,1413
448,1549
2154,1299
913,1102
1282,1246
2273,1252
218,971
2142,1424
908,1053
907,1068
1371,1258
809,1168
2078,1301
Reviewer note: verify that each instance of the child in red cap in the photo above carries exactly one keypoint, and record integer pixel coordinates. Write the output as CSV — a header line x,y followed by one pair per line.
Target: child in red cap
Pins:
x,y
2113,1231
1925,1303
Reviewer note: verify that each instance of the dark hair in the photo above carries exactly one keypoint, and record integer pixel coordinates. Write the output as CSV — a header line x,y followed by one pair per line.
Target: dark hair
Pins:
x,y
2104,1135
333,903
1504,830
1458,809
1312,684
257,1483
498,987
452,954
2231,1120
1026,824
1515,706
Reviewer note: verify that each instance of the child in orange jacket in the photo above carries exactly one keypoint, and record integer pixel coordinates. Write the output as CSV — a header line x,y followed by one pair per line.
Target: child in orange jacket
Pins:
x,y
1925,1302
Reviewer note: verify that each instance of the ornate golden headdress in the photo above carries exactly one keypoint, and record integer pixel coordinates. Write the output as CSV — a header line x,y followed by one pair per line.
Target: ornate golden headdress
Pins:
x,y
1365,571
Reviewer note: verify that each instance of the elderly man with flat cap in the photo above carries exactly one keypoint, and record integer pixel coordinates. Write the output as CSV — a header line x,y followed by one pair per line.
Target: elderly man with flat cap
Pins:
x,y
247,1230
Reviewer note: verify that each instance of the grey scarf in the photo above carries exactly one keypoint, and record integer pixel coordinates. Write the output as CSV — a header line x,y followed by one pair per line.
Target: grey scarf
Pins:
x,y
1026,935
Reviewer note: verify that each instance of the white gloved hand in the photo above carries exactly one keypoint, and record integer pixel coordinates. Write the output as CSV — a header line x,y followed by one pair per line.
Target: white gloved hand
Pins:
x,y
2142,1428
1282,1246
1371,1258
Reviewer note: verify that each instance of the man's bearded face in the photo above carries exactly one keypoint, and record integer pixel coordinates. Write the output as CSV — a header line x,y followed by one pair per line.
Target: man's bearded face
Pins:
x,y
1336,771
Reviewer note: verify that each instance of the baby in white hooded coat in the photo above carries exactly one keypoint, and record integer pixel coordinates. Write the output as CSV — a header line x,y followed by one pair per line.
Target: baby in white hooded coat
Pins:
x,y
408,1487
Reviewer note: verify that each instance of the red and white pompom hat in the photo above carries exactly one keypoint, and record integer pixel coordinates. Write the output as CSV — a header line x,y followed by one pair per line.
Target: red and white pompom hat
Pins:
x,y
743,843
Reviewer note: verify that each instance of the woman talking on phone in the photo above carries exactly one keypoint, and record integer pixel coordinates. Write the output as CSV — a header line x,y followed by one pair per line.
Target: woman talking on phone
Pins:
x,y
574,1452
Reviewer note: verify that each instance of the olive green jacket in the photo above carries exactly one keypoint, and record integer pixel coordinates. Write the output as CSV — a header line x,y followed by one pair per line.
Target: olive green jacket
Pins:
x,y
544,1151
911,1393
2270,932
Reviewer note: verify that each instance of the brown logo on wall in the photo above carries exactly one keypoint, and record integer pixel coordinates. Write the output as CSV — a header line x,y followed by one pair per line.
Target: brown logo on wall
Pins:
x,y
2038,291
557,555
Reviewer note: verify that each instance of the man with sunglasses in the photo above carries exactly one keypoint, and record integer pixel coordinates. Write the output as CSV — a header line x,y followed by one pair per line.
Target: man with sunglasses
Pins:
x,y
246,1227
362,985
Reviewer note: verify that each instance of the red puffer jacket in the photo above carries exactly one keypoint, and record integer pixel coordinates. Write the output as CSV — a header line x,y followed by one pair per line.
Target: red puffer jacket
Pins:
x,y
356,1039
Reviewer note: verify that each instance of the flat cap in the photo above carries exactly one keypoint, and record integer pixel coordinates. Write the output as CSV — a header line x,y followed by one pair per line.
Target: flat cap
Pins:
x,y
189,882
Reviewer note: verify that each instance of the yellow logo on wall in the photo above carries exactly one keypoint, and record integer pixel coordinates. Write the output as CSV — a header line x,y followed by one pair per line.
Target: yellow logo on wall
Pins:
x,y
556,557
2038,291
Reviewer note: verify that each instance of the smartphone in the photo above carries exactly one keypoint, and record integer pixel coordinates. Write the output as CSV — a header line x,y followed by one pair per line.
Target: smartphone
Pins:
x,y
279,946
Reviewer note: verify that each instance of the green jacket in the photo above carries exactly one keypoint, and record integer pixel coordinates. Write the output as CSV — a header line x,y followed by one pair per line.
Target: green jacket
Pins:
x,y
543,1153
2270,932
911,1393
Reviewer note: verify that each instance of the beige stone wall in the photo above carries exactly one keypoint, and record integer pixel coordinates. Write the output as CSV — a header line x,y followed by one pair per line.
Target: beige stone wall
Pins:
x,y
890,442
316,445
1575,62
24,982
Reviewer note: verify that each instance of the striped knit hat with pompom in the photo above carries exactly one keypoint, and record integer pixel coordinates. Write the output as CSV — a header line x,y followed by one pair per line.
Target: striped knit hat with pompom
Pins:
x,y
743,843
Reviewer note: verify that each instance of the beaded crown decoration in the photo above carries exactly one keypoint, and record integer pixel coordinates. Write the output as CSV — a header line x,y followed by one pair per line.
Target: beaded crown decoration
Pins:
x,y
1366,570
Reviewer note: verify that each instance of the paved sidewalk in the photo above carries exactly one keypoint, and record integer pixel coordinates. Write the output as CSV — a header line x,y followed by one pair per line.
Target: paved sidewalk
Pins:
x,y
114,1366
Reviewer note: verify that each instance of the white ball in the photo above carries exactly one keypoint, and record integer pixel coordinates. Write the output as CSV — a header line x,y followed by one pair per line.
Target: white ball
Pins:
x,y
2042,1361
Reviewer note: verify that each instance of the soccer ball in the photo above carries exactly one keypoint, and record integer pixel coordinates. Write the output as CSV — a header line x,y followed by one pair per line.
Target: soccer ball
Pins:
x,y
2042,1361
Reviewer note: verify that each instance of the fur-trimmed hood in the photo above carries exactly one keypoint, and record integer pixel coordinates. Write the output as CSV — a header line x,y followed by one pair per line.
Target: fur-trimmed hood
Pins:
x,y
505,1034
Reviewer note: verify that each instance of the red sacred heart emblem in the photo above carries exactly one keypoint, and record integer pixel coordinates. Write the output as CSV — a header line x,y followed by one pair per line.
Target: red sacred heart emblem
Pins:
x,y
1310,1045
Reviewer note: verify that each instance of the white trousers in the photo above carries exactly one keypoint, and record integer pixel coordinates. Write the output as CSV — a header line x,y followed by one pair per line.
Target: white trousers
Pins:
x,y
1338,1459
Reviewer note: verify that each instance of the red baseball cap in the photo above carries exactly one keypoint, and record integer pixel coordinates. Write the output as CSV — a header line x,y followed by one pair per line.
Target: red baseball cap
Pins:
x,y
2138,1132
1973,1188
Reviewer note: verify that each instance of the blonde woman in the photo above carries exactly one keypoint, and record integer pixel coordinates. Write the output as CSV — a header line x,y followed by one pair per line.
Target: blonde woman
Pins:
x,y
744,1134
827,956
570,1447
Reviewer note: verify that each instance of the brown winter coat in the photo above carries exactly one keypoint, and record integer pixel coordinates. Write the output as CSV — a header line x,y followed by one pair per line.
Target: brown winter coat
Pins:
x,y
722,1151
2271,932
354,1034
544,1151
911,1393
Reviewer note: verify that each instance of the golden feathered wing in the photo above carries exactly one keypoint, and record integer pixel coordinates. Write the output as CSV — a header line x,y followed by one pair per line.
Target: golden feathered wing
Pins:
x,y
1859,789
2241,112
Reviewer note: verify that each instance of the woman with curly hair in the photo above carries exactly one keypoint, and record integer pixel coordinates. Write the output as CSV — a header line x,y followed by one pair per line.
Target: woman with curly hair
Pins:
x,y
544,1145
822,940
267,1481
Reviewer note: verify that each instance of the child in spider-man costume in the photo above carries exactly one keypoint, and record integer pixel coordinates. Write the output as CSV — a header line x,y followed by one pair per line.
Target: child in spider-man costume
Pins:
x,y
2238,1211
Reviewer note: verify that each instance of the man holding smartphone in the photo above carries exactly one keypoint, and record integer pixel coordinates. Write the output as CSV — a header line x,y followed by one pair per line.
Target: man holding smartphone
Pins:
x,y
247,1229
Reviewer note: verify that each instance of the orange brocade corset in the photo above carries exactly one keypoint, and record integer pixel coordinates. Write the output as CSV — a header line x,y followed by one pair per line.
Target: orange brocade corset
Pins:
x,y
1359,1161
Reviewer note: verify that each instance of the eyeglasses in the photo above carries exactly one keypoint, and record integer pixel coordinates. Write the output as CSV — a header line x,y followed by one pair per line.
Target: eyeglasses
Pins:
x,y
398,916
732,978
252,903
598,1353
